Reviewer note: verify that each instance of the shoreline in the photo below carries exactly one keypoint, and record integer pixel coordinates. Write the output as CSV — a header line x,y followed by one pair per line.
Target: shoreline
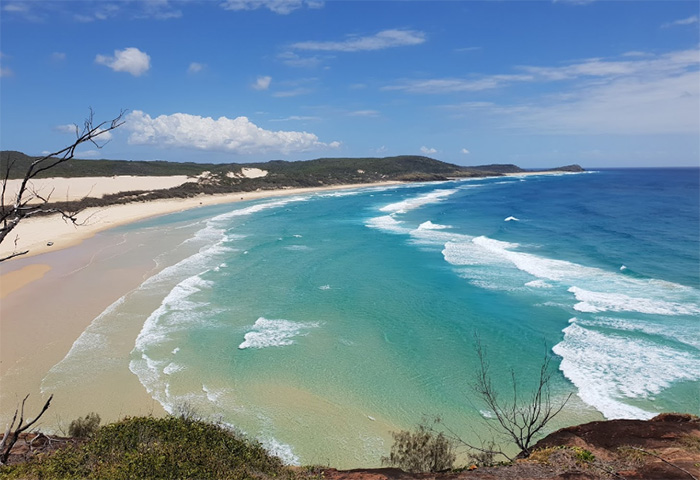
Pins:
x,y
35,234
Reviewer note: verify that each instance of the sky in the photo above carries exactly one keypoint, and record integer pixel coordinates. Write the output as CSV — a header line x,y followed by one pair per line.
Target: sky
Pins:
x,y
535,83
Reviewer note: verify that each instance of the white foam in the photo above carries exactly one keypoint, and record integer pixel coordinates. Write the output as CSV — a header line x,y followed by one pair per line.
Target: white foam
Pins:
x,y
607,369
324,287
172,368
409,204
538,284
623,268
274,333
593,302
280,450
432,226
511,219
388,223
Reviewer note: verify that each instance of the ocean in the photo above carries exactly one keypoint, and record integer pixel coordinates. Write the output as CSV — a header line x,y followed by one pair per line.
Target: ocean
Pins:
x,y
320,323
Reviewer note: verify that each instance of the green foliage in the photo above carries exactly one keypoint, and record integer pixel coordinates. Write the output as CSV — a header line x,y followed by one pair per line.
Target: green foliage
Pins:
x,y
157,448
84,426
562,456
421,451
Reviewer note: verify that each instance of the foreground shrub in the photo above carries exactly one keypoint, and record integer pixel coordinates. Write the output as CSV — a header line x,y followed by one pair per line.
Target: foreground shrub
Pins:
x,y
84,426
157,448
421,451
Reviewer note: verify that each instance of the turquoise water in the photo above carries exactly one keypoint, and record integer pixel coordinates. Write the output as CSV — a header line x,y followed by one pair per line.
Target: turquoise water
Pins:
x,y
318,323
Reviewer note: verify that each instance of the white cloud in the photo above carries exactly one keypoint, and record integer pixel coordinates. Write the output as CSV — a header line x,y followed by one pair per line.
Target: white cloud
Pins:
x,y
684,21
195,67
58,56
6,72
637,64
131,60
283,7
16,8
364,113
465,151
296,118
384,39
427,151
238,135
659,94
451,85
262,83
292,59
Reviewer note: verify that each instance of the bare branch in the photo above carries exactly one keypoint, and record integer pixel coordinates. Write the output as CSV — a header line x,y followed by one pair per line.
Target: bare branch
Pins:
x,y
520,421
5,445
11,215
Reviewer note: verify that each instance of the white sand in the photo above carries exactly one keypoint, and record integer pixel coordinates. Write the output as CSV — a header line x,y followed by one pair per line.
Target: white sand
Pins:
x,y
70,189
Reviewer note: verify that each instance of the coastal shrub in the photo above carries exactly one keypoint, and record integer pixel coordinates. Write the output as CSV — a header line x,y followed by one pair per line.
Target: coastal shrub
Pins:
x,y
84,426
157,448
421,451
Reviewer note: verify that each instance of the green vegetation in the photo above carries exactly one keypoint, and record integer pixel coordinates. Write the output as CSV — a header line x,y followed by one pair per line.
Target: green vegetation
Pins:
x,y
84,426
421,451
153,448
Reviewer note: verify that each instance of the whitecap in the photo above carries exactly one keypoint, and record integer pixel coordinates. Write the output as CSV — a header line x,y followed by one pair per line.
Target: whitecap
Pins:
x,y
274,333
324,287
593,302
409,204
387,223
432,226
538,284
280,450
607,369
511,219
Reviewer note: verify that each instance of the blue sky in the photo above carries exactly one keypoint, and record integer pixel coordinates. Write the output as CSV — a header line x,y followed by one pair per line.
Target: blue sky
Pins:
x,y
538,84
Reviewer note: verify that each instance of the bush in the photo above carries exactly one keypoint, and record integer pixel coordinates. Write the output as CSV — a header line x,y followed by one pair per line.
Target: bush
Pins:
x,y
421,451
157,448
84,426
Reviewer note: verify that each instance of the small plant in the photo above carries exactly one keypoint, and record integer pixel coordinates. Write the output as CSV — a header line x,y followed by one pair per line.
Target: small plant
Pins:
x,y
484,456
84,427
421,451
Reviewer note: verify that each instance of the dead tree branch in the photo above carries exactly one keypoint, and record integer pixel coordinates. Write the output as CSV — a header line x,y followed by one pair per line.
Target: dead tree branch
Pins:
x,y
522,417
10,438
12,215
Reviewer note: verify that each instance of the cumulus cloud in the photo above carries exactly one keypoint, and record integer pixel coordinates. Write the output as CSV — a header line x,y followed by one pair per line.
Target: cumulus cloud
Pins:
x,y
379,41
465,151
131,60
238,135
195,67
427,151
282,7
262,83
684,21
